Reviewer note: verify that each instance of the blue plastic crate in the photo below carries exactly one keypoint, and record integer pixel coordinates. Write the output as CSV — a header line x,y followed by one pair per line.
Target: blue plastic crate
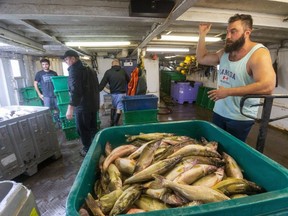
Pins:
x,y
140,102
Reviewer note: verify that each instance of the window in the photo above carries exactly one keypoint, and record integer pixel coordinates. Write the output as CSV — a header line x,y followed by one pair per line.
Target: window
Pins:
x,y
65,69
15,68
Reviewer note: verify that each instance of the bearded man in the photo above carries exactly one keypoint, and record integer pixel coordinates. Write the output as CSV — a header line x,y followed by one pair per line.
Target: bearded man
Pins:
x,y
245,67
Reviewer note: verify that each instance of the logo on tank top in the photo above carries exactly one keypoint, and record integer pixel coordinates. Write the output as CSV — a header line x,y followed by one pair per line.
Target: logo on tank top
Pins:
x,y
225,75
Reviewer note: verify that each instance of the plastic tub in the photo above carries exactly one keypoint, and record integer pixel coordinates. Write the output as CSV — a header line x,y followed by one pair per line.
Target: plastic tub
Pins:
x,y
257,167
140,116
139,102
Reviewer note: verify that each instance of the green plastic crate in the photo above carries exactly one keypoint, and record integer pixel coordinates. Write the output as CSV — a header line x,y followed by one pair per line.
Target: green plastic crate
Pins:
x,y
60,83
205,99
71,133
29,93
62,96
140,116
67,123
33,102
257,167
200,95
72,123
167,77
62,109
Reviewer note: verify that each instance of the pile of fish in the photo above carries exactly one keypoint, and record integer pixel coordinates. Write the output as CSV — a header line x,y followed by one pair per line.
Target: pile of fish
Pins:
x,y
6,114
156,171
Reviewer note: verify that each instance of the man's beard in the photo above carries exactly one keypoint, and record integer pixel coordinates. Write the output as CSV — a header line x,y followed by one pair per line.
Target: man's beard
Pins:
x,y
234,46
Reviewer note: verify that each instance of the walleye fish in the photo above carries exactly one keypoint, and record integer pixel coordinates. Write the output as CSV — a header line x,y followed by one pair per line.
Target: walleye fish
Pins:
x,y
125,165
196,150
193,203
180,168
206,160
83,212
147,156
138,152
120,151
114,177
232,169
150,204
235,196
107,201
166,196
196,172
211,179
156,168
93,205
163,152
232,186
108,148
135,211
147,136
126,200
200,193
174,140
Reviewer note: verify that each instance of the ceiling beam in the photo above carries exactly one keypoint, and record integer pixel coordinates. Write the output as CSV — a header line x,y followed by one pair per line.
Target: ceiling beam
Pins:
x,y
53,38
197,14
18,39
176,12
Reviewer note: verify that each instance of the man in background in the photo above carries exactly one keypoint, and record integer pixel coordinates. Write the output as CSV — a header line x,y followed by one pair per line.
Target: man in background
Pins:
x,y
84,99
245,68
43,78
118,79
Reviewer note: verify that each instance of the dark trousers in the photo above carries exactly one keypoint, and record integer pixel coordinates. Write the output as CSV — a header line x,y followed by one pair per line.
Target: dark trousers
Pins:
x,y
239,129
86,124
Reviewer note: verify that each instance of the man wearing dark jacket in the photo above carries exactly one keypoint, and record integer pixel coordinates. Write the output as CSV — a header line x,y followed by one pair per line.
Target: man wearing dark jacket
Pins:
x,y
84,98
117,78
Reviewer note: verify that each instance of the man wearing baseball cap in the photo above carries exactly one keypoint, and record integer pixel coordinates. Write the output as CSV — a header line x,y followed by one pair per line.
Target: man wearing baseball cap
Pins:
x,y
84,98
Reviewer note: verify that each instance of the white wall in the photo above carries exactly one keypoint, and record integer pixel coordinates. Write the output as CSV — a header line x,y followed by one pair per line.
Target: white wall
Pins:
x,y
280,106
103,65
152,76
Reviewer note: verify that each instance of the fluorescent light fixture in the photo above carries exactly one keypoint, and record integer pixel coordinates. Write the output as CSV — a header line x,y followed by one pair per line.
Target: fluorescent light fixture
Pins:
x,y
4,44
162,49
188,38
169,57
98,44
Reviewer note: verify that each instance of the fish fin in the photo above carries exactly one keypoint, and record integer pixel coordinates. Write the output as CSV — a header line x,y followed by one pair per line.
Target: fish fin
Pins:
x,y
155,184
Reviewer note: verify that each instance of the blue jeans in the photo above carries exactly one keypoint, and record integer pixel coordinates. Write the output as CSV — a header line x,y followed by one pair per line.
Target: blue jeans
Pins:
x,y
50,102
239,129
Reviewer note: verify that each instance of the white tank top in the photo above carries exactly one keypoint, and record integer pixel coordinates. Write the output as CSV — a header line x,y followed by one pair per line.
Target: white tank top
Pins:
x,y
234,74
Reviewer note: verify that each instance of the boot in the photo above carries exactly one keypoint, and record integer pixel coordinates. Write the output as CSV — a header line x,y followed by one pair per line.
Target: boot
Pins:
x,y
112,116
116,120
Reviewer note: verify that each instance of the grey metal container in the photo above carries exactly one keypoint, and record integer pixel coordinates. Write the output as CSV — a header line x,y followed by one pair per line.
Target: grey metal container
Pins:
x,y
26,141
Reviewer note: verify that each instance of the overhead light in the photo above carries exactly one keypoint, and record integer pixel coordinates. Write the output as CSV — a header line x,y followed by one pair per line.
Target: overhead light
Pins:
x,y
188,38
85,57
169,57
98,44
163,49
